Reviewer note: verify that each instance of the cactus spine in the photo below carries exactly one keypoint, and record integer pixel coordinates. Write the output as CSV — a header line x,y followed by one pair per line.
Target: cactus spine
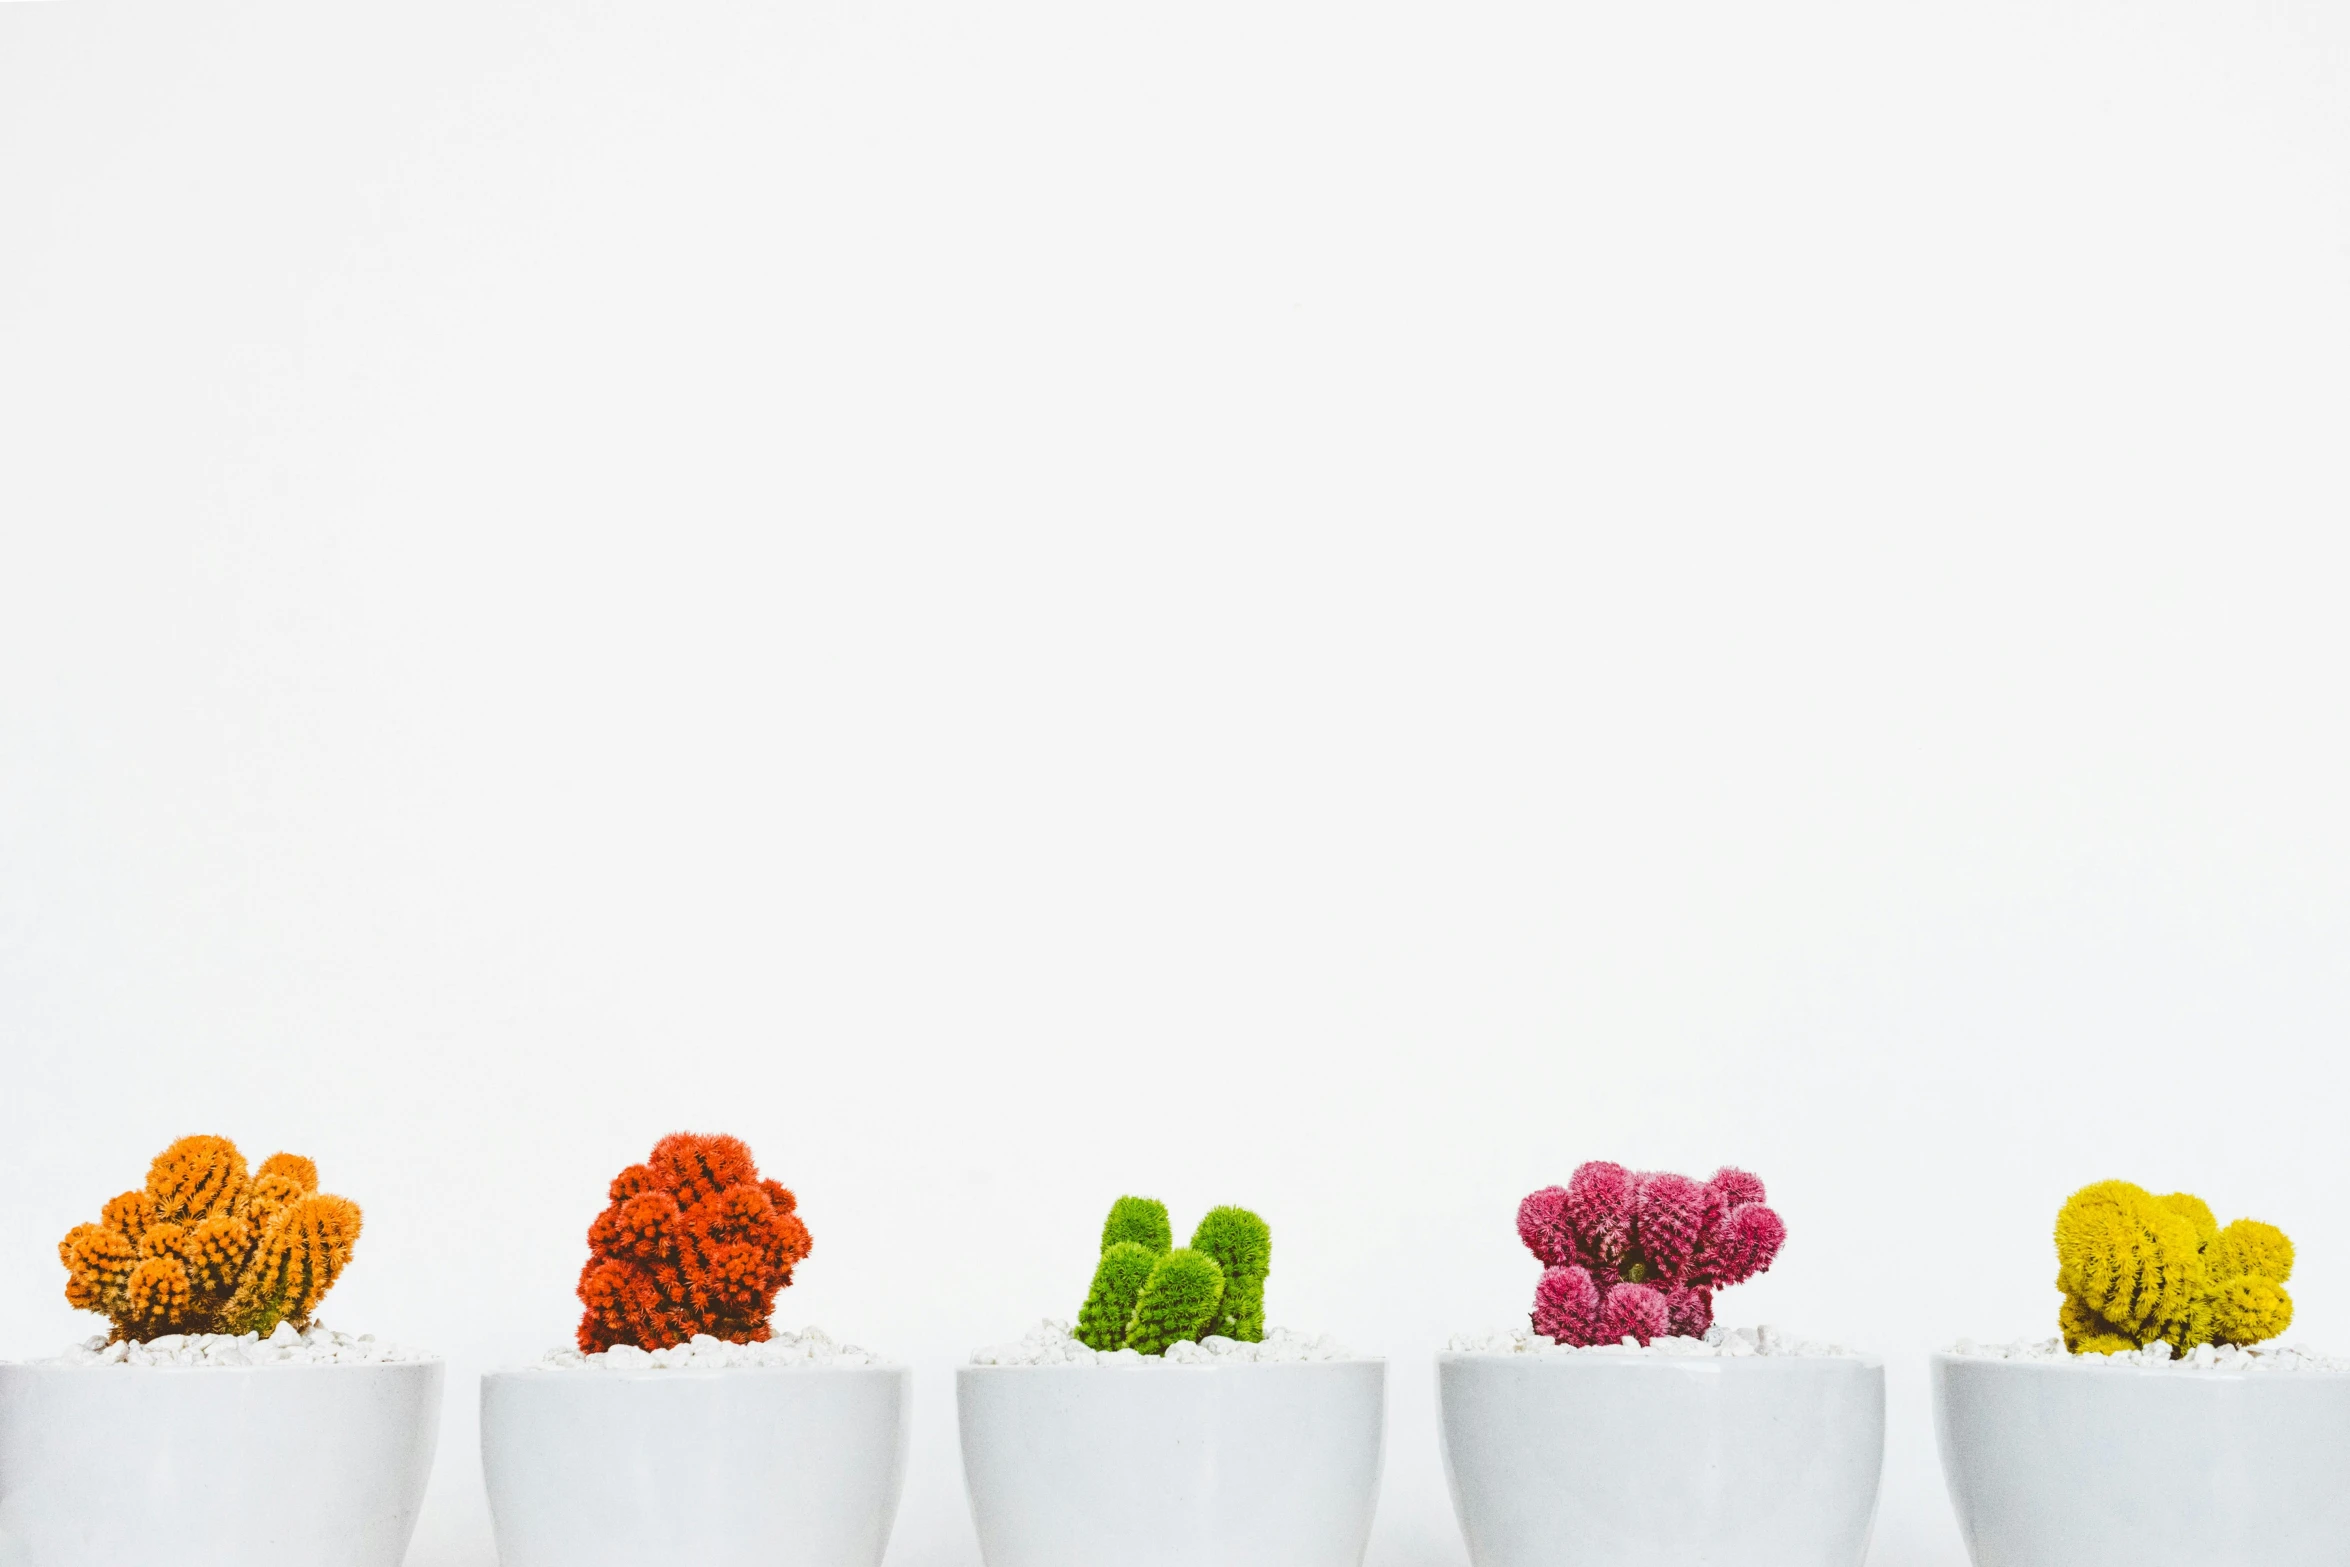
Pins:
x,y
2136,1268
206,1247
1148,1294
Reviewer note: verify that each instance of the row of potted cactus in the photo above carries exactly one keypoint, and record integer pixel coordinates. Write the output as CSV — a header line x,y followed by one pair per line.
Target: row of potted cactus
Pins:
x,y
217,1423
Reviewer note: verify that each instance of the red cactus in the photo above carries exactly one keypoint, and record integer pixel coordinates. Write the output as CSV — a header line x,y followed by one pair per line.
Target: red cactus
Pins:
x,y
1641,1254
693,1242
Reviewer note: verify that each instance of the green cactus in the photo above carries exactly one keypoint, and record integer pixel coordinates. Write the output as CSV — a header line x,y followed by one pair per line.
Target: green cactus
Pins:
x,y
1178,1301
1242,1245
1142,1220
1117,1284
1147,1296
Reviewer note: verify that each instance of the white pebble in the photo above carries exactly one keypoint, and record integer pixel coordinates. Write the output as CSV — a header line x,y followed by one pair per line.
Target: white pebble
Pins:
x,y
811,1347
317,1346
2276,1358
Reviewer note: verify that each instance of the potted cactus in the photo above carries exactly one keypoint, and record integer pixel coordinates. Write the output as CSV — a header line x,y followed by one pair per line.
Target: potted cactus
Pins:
x,y
1170,1428
682,1427
216,1413
1624,1425
2162,1424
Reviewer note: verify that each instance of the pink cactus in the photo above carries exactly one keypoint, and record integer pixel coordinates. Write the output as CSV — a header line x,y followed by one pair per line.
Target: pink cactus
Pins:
x,y
1743,1245
1598,1212
1566,1305
1641,1254
1668,1217
1631,1311
1689,1311
1737,1188
1542,1225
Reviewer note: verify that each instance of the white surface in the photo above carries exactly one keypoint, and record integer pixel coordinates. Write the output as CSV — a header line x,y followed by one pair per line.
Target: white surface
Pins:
x,y
1237,1465
735,1468
1669,1461
102,1466
1050,1343
2143,1466
1324,605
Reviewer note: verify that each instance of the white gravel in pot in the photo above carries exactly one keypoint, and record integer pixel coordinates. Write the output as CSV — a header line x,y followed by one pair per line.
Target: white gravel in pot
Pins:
x,y
1050,1343
812,1348
2280,1358
316,1346
1719,1342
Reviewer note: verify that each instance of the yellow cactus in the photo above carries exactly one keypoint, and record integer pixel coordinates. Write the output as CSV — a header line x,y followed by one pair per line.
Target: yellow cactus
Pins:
x,y
2136,1268
2196,1212
2250,1247
2248,1310
2131,1261
2085,1333
207,1248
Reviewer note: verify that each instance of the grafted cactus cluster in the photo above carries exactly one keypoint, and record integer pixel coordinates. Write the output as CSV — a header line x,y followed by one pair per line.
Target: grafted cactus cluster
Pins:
x,y
2136,1268
694,1241
210,1247
1639,1254
1149,1293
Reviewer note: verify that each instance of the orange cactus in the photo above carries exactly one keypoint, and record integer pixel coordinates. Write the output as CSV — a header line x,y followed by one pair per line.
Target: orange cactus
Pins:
x,y
694,1241
99,1260
196,1178
157,1300
209,1248
299,1259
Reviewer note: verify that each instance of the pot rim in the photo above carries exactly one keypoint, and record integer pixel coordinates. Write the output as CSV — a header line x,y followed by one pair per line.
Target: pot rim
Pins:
x,y
1164,1367
691,1373
2102,1366
1677,1362
276,1368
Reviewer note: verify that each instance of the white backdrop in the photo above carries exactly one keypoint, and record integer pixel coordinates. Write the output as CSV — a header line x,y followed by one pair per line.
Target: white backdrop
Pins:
x,y
1333,606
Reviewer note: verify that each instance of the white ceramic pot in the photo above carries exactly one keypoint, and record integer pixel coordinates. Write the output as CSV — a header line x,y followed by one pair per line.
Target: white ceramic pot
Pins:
x,y
1249,1465
756,1466
214,1466
2064,1464
1569,1460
